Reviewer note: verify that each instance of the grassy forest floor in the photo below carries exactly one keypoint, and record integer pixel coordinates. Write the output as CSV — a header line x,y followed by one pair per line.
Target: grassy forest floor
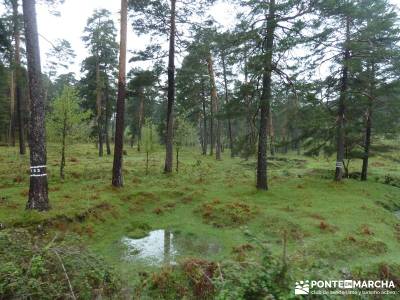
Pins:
x,y
214,210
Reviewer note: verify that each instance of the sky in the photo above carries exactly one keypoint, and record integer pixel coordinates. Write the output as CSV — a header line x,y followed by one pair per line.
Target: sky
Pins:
x,y
74,14
72,21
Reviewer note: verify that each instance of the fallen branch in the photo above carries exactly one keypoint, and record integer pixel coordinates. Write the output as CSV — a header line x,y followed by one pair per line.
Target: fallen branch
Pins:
x,y
220,273
66,274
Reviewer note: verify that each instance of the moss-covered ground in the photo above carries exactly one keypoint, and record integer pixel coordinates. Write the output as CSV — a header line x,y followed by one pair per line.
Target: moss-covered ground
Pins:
x,y
329,227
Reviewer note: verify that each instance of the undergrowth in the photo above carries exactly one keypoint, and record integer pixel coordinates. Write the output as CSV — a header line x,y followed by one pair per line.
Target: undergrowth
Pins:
x,y
33,267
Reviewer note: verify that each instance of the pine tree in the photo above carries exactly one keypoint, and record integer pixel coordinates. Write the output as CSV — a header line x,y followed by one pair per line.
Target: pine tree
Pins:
x,y
377,52
17,80
99,38
117,179
264,24
141,91
356,23
193,90
38,189
66,120
160,16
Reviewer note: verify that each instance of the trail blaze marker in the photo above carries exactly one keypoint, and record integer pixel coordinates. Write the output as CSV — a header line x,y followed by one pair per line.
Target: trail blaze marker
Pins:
x,y
38,171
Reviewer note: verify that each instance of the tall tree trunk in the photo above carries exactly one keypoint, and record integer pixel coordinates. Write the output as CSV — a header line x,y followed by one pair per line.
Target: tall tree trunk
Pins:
x,y
99,107
38,189
283,134
100,137
107,118
367,143
230,137
171,93
251,128
205,136
17,80
167,247
140,117
107,138
27,104
64,134
368,125
117,179
340,134
214,106
226,103
212,136
265,101
11,133
113,131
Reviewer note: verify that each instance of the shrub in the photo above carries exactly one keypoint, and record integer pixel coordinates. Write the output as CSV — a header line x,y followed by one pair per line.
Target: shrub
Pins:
x,y
34,268
229,214
200,279
267,278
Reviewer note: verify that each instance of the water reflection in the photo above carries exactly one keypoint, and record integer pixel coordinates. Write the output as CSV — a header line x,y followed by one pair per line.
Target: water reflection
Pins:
x,y
167,246
156,248
163,247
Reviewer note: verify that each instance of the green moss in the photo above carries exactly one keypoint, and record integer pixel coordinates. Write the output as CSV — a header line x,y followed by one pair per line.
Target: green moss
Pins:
x,y
320,217
138,230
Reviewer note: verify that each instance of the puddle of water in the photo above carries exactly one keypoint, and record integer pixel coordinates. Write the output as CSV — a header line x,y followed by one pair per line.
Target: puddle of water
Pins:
x,y
156,248
164,247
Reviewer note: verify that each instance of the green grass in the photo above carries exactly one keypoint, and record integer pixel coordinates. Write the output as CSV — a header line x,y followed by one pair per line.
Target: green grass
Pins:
x,y
329,226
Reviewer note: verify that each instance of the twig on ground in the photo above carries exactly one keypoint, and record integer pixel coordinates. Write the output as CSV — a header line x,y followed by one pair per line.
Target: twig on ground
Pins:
x,y
66,274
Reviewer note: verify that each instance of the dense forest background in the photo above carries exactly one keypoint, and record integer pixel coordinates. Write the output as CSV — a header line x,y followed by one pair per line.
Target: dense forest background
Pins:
x,y
311,77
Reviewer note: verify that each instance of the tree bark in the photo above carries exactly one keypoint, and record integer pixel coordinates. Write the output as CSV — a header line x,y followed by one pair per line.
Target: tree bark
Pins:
x,y
11,133
99,107
107,118
113,131
265,101
17,80
171,93
367,144
214,106
117,179
38,188
212,136
140,117
167,247
340,134
226,102
368,126
205,136
64,134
